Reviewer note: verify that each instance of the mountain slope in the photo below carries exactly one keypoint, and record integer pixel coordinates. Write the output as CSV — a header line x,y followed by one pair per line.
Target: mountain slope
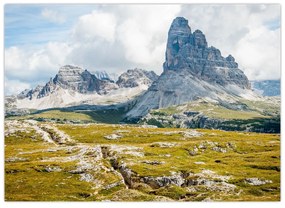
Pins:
x,y
192,70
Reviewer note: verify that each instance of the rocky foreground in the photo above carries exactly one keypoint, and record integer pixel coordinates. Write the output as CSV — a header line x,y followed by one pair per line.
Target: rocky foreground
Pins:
x,y
96,162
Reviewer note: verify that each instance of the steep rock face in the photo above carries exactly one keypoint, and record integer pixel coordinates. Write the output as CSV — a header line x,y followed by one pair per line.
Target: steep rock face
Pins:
x,y
46,90
192,70
77,79
136,77
71,78
186,50
102,75
30,93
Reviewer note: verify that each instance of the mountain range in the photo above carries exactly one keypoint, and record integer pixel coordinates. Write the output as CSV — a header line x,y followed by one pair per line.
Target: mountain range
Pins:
x,y
73,85
193,74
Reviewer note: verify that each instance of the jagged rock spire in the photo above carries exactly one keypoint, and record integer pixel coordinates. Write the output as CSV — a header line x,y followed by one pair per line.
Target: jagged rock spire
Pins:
x,y
190,51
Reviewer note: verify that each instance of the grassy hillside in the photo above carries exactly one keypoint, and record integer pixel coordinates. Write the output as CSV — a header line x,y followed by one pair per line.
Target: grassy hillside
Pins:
x,y
110,116
95,162
245,115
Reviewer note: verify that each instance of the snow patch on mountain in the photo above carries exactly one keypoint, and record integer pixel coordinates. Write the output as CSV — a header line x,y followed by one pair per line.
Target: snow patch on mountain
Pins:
x,y
65,98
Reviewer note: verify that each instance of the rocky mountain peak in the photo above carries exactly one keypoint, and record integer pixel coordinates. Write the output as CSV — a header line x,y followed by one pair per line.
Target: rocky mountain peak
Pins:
x,y
199,39
180,25
190,51
69,69
192,70
136,77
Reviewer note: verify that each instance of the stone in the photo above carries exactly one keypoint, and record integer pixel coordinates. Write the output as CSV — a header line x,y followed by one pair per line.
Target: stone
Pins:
x,y
219,149
16,159
86,177
157,182
113,137
256,181
199,163
163,144
148,126
52,169
155,162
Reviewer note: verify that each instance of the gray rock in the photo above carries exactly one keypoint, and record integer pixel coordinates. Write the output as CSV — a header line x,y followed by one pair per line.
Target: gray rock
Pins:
x,y
157,182
86,177
219,149
199,163
16,159
194,151
155,162
136,77
52,169
30,93
77,171
113,137
256,181
163,144
112,185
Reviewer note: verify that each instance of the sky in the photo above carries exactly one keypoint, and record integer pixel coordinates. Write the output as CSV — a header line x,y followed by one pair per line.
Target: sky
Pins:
x,y
40,38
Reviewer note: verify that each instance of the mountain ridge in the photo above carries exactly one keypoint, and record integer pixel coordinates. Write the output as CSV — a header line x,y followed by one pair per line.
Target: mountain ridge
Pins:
x,y
73,85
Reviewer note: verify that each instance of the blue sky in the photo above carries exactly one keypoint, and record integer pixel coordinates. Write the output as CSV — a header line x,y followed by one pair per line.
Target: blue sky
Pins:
x,y
25,24
39,38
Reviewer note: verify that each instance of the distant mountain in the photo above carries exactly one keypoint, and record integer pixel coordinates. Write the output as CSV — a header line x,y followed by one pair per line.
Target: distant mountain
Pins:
x,y
73,85
102,75
266,87
136,77
192,70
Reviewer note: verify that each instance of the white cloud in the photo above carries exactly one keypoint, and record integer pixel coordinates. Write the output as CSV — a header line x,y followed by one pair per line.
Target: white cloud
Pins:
x,y
29,65
143,33
14,87
95,25
53,16
123,37
259,52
